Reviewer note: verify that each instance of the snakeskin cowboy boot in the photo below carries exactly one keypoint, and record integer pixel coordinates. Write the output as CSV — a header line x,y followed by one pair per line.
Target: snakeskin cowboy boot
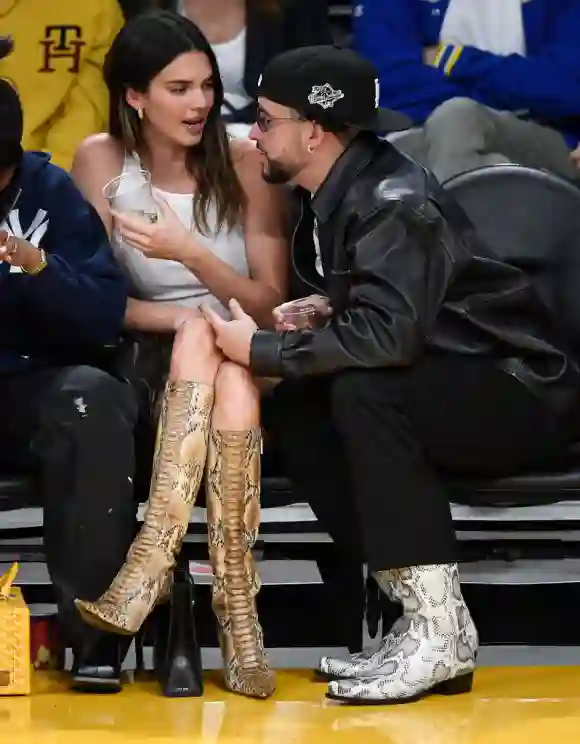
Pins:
x,y
233,518
366,662
433,649
178,467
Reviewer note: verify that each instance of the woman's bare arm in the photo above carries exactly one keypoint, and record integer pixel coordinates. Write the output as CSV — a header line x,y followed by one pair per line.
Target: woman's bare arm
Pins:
x,y
266,238
97,161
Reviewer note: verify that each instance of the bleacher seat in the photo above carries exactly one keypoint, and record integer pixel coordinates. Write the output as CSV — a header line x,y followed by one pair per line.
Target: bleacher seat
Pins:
x,y
531,218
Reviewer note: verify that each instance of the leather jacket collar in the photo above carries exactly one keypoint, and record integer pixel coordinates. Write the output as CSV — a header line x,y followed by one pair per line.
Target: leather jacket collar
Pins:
x,y
356,157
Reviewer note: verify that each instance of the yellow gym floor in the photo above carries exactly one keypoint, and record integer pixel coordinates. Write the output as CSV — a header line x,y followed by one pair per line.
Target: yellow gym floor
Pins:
x,y
515,705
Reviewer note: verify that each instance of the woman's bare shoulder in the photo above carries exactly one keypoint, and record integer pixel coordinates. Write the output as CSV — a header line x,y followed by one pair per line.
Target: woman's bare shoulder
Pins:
x,y
244,153
99,154
247,161
268,201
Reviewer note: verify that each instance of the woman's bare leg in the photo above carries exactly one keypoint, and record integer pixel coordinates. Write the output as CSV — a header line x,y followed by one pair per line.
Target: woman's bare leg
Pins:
x,y
179,463
233,507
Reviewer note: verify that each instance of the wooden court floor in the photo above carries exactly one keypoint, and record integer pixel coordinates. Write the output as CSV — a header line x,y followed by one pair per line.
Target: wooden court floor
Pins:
x,y
508,706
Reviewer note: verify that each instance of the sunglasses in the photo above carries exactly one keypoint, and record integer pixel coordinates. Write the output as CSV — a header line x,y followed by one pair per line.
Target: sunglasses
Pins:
x,y
264,121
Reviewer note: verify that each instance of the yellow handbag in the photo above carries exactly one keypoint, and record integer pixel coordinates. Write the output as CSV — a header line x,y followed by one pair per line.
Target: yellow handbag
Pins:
x,y
15,666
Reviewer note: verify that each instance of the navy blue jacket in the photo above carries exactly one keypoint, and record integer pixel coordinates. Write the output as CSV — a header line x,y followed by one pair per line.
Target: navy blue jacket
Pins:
x,y
78,301
546,83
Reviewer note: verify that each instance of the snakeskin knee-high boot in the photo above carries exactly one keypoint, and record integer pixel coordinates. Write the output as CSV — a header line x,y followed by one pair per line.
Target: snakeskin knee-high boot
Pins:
x,y
178,467
233,510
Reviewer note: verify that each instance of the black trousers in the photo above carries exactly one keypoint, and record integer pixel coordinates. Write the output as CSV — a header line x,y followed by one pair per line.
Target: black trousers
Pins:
x,y
73,428
367,450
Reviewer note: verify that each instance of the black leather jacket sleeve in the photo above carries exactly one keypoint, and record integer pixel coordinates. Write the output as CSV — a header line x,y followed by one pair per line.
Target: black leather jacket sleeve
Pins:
x,y
393,299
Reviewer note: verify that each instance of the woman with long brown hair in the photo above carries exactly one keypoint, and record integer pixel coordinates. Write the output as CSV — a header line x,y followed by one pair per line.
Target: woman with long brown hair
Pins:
x,y
219,235
245,35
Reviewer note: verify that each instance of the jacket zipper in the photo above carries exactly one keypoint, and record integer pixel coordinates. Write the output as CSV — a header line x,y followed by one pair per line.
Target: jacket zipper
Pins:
x,y
292,252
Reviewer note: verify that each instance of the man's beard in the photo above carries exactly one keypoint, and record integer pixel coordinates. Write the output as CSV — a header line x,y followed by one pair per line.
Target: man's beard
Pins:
x,y
274,173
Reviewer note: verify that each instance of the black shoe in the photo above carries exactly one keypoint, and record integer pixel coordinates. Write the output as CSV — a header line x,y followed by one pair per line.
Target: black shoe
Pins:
x,y
177,655
97,666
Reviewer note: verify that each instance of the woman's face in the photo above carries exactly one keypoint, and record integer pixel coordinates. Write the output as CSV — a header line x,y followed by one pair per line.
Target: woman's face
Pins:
x,y
179,99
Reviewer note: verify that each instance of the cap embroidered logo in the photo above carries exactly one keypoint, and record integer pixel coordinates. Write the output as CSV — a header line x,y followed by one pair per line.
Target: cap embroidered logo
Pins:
x,y
324,96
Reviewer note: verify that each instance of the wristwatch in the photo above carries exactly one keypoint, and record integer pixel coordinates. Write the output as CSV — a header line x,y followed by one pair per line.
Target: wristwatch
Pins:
x,y
40,266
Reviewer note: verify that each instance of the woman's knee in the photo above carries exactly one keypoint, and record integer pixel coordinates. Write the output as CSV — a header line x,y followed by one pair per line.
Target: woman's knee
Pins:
x,y
195,355
237,399
234,383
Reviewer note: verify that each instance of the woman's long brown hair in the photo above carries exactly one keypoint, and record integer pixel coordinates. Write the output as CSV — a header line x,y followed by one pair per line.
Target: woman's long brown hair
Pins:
x,y
144,47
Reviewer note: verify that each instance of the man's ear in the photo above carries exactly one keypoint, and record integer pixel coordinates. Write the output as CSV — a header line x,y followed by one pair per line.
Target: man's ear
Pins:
x,y
316,136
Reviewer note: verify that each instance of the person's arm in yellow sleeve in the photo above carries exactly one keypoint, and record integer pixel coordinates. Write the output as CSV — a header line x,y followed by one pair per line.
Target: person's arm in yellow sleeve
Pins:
x,y
86,108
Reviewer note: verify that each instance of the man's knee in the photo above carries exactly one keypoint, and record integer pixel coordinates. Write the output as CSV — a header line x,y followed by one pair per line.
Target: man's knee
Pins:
x,y
84,391
351,389
355,391
457,114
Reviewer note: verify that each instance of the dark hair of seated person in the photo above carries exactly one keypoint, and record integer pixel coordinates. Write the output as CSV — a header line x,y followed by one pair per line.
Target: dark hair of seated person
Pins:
x,y
11,127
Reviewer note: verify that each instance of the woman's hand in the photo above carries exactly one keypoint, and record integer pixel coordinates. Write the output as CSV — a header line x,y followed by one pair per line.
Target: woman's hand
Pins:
x,y
19,252
575,155
167,238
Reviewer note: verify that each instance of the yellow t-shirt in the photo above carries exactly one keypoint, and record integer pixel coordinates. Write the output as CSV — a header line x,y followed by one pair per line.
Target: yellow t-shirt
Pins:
x,y
56,65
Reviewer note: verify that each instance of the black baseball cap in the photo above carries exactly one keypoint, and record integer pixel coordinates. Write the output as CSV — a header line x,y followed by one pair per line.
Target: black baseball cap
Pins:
x,y
332,85
11,126
11,120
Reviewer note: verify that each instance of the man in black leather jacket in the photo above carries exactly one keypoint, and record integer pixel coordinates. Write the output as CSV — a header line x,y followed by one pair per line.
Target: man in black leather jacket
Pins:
x,y
436,357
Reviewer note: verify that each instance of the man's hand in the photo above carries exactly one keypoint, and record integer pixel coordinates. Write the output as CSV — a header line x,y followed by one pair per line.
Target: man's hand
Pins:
x,y
575,156
233,337
320,303
19,252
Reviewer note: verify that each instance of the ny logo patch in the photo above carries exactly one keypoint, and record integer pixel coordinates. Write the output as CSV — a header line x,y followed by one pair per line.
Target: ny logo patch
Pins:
x,y
34,233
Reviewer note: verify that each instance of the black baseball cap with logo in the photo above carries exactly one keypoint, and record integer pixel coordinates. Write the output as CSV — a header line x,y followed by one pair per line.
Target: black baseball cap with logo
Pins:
x,y
332,85
11,120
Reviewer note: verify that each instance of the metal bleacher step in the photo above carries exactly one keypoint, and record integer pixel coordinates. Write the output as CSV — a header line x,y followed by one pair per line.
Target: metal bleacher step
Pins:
x,y
564,511
521,572
284,573
274,573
